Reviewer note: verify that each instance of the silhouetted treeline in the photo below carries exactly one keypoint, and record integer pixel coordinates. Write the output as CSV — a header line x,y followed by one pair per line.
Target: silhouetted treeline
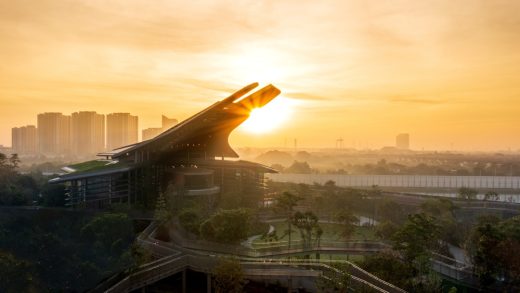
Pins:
x,y
58,250
17,189
381,163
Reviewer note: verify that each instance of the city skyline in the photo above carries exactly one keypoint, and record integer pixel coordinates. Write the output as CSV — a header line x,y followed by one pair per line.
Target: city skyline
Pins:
x,y
82,133
117,129
145,133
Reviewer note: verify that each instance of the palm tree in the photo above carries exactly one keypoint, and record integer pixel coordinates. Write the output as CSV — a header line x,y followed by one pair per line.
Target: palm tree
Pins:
x,y
286,203
349,221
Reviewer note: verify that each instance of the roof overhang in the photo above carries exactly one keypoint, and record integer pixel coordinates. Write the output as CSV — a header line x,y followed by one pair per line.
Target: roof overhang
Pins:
x,y
211,127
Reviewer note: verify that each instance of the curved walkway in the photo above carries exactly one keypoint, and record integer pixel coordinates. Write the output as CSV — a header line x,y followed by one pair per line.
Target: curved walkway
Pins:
x,y
176,258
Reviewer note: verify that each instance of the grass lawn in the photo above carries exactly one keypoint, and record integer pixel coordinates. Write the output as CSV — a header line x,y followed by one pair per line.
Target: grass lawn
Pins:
x,y
331,232
89,165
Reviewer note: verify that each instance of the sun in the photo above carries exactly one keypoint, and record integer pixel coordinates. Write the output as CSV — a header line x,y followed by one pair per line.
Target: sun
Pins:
x,y
269,117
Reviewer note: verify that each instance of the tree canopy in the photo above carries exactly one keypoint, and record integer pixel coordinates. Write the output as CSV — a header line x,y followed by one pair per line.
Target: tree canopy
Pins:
x,y
228,276
228,226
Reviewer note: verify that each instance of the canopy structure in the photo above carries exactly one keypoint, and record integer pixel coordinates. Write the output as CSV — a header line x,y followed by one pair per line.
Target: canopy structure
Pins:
x,y
136,172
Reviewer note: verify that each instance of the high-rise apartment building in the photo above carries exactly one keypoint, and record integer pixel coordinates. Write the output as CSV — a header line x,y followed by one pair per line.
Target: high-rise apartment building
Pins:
x,y
167,123
121,130
25,140
402,141
53,134
150,133
87,133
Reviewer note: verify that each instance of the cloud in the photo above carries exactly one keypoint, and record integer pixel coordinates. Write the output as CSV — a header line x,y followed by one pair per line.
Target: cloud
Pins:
x,y
416,100
333,56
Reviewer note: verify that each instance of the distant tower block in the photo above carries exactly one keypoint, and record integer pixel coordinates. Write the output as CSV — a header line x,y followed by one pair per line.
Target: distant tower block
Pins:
x,y
168,123
25,140
402,141
121,130
339,143
54,134
87,129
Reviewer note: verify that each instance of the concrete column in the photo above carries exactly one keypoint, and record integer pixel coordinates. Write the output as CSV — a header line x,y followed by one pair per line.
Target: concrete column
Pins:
x,y
184,281
208,278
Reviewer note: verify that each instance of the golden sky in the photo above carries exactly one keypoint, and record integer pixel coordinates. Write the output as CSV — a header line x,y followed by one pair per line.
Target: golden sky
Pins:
x,y
447,72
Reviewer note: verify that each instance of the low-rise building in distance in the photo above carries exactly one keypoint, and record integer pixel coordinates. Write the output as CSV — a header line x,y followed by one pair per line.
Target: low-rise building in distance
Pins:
x,y
402,141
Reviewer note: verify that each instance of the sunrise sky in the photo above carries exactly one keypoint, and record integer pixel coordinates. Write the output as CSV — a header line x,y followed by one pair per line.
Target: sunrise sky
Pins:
x,y
447,72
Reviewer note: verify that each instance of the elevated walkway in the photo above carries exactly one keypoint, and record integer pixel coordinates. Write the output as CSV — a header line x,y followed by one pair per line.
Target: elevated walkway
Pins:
x,y
174,259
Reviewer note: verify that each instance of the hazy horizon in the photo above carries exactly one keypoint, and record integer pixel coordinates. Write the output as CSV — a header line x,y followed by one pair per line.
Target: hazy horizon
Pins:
x,y
446,72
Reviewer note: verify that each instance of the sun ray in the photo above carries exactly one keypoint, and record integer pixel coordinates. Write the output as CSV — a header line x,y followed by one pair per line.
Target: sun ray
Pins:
x,y
270,117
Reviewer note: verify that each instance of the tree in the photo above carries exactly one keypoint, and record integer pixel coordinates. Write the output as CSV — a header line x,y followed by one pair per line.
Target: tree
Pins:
x,y
307,223
487,238
15,188
510,261
53,195
161,214
349,221
277,167
299,168
430,282
491,195
467,193
443,211
416,237
3,160
330,185
15,274
190,221
390,268
109,230
439,207
386,229
286,203
392,212
492,246
233,200
14,160
228,276
140,255
375,191
228,226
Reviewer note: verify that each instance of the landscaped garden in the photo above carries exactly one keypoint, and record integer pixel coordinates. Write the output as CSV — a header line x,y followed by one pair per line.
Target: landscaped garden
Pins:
x,y
331,232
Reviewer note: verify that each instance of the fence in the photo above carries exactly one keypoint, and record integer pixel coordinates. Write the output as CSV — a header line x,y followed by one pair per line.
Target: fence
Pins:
x,y
410,181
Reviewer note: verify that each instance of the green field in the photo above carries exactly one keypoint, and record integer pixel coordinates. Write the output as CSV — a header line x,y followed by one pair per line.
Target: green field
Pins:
x,y
331,232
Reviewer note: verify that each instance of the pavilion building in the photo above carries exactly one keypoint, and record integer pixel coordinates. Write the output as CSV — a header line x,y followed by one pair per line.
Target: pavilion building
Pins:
x,y
193,157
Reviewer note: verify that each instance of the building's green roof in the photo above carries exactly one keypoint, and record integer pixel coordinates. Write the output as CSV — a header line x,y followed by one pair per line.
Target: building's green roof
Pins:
x,y
89,165
92,169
